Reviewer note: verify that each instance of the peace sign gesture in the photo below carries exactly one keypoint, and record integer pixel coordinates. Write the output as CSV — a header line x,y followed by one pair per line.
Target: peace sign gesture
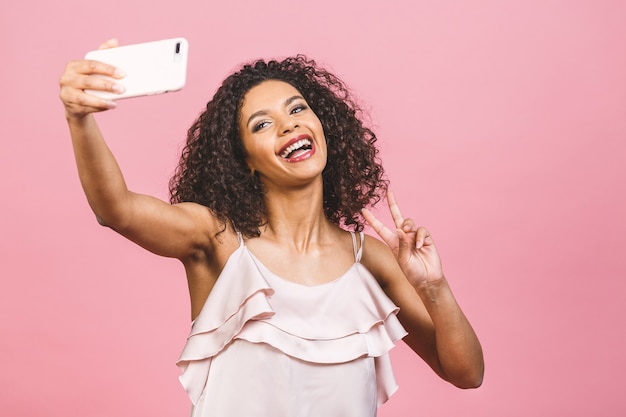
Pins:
x,y
413,246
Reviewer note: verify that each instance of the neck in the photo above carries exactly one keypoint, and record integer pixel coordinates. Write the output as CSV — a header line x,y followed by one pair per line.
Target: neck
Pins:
x,y
296,216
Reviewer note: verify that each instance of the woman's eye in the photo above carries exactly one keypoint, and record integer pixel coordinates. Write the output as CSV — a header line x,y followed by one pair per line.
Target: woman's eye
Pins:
x,y
298,108
260,126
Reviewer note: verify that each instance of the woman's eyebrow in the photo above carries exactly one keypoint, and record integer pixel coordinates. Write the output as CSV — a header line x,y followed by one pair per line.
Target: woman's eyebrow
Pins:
x,y
292,99
264,112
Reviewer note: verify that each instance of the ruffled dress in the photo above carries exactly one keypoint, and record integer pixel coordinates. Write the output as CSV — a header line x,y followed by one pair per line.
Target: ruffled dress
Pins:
x,y
263,346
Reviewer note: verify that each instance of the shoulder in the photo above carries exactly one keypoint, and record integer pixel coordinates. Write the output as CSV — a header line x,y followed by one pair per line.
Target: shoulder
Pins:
x,y
380,261
212,239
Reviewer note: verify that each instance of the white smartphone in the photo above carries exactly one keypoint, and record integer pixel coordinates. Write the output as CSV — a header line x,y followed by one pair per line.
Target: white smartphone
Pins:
x,y
151,68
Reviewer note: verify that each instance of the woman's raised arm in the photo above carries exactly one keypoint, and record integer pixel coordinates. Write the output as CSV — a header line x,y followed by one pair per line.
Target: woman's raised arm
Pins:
x,y
169,230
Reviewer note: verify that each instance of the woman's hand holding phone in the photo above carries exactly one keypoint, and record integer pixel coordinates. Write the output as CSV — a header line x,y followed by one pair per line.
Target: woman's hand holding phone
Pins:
x,y
112,73
83,74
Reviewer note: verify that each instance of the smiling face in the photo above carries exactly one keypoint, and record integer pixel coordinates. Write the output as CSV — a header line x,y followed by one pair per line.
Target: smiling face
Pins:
x,y
283,138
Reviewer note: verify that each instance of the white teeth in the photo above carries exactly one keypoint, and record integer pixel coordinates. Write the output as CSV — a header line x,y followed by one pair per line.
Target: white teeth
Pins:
x,y
299,144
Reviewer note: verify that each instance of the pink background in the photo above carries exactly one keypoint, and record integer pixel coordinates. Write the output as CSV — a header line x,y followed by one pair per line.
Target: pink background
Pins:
x,y
502,126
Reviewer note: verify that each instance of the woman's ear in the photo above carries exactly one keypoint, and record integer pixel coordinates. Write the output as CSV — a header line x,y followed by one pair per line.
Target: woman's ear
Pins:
x,y
251,168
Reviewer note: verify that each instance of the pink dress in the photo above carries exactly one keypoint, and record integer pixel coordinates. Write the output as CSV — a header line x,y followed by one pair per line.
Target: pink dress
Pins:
x,y
263,346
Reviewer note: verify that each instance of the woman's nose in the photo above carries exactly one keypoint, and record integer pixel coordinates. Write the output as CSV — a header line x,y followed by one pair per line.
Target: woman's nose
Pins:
x,y
288,125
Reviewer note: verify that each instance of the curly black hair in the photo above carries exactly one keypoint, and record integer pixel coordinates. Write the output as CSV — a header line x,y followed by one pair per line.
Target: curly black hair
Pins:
x,y
212,170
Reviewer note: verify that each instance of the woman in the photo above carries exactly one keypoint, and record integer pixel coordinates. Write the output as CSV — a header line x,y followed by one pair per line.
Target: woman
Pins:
x,y
293,314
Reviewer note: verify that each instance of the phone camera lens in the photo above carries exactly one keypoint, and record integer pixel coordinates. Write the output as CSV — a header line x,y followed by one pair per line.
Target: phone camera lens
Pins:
x,y
177,47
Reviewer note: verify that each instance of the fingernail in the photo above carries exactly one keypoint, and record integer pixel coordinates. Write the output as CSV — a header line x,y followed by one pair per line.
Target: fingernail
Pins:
x,y
111,104
118,88
120,73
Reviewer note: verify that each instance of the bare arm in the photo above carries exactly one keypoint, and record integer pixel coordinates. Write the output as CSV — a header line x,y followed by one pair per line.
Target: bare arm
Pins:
x,y
168,230
413,278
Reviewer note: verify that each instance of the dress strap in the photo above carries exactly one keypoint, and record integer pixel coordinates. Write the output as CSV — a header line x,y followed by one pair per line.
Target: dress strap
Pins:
x,y
357,249
240,239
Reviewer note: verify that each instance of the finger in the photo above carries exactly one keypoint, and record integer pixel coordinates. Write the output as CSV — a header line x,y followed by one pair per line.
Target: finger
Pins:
x,y
396,214
71,81
406,234
408,226
97,83
91,67
385,234
111,43
422,238
78,102
406,243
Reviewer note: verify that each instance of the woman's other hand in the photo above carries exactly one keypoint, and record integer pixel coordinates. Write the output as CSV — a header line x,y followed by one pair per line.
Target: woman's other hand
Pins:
x,y
413,246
